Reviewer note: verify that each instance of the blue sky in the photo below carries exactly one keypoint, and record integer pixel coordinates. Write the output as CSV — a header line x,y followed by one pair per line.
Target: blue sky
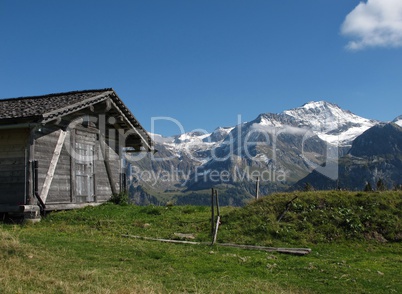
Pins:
x,y
204,62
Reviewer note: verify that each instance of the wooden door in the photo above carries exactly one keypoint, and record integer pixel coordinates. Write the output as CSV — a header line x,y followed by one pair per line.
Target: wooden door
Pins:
x,y
84,172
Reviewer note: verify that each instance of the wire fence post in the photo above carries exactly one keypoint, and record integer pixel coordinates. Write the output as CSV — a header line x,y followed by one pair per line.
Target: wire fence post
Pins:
x,y
257,188
212,213
218,219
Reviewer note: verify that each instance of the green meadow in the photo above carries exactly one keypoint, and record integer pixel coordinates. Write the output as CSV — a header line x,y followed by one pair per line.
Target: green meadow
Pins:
x,y
355,238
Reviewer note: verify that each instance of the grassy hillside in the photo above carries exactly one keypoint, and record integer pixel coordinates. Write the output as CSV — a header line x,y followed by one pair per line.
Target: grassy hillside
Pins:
x,y
355,240
317,217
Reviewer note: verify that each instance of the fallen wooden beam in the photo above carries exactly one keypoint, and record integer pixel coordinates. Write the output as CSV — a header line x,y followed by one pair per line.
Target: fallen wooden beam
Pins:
x,y
163,240
294,251
184,236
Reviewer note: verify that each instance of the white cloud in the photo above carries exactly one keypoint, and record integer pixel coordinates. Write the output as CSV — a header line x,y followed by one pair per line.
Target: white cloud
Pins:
x,y
376,23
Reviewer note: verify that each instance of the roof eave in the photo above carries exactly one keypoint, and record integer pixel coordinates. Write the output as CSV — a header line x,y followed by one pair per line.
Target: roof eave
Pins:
x,y
132,121
75,107
118,104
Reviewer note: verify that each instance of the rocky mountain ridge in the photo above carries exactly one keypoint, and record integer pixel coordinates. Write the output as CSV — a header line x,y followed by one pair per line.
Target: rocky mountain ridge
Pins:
x,y
375,155
279,149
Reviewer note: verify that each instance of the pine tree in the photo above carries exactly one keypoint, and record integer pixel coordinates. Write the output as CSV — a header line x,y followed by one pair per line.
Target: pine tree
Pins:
x,y
381,185
397,187
308,187
367,187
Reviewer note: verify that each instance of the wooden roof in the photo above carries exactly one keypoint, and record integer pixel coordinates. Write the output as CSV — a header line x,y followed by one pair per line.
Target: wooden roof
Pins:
x,y
44,108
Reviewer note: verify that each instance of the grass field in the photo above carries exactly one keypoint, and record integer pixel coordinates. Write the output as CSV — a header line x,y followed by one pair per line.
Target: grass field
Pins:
x,y
355,240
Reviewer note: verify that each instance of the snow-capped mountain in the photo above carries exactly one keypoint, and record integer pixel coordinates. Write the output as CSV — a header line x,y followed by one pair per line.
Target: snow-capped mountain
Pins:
x,y
328,121
331,123
196,145
284,146
398,120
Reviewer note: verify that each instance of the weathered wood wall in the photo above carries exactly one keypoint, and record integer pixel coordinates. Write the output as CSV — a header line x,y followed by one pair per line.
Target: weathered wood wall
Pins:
x,y
16,174
64,186
44,146
113,158
13,144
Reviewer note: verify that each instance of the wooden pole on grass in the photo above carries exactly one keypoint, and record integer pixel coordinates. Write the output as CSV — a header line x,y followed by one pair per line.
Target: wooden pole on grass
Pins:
x,y
257,188
212,213
218,219
217,203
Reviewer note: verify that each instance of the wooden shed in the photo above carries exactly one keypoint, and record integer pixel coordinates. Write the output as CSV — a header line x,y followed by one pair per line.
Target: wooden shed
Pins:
x,y
64,151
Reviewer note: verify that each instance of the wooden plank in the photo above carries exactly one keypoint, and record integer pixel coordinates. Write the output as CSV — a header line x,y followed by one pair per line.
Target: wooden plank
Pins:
x,y
85,133
52,166
51,136
12,179
295,251
31,158
6,146
218,210
112,154
12,167
44,155
12,163
12,154
115,168
12,173
212,212
163,240
102,198
46,139
218,221
62,169
107,165
85,137
257,188
65,206
59,197
72,169
103,186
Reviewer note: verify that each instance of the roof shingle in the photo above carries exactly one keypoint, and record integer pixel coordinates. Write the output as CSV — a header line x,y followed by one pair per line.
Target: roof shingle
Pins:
x,y
36,106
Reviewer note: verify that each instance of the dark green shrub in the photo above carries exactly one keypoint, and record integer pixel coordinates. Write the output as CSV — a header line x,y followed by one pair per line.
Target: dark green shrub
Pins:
x,y
120,198
152,210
